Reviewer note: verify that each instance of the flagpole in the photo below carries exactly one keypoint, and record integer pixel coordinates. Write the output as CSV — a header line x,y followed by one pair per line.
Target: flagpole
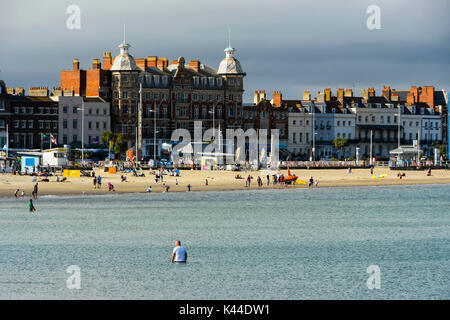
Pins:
x,y
7,140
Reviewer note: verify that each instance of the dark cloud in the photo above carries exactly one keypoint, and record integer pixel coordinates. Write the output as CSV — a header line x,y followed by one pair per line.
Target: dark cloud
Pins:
x,y
282,45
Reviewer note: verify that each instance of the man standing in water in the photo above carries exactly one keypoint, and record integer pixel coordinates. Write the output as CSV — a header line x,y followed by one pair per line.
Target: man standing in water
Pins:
x,y
31,207
179,254
35,191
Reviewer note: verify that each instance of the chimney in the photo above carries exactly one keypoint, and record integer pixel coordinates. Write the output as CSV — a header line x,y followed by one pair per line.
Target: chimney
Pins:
x,y
107,60
327,93
348,93
20,91
306,95
427,96
10,90
320,96
256,97
387,92
262,95
340,95
395,97
141,63
175,62
162,63
195,65
96,64
38,92
76,64
413,95
277,98
151,61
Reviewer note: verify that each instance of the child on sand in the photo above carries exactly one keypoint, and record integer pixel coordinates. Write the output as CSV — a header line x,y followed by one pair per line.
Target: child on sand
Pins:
x,y
16,193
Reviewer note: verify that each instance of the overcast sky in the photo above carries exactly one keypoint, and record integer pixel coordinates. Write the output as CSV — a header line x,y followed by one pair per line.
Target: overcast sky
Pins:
x,y
283,45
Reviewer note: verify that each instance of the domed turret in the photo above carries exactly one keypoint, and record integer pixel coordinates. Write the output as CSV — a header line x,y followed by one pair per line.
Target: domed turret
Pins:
x,y
230,65
124,61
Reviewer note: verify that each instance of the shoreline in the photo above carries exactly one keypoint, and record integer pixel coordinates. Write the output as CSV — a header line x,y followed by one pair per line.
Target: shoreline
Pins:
x,y
217,181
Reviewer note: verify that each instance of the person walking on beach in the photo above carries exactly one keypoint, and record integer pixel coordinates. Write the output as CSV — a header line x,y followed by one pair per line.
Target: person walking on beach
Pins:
x,y
22,194
206,182
179,253
35,191
189,187
16,194
95,182
31,207
99,182
268,179
249,180
311,182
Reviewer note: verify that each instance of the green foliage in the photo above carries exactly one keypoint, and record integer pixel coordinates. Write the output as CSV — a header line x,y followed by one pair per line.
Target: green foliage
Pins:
x,y
339,143
114,140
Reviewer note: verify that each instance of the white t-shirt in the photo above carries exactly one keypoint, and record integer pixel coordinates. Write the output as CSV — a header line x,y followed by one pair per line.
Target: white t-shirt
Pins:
x,y
180,253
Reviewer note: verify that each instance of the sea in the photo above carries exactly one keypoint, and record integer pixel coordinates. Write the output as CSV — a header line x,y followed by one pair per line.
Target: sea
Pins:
x,y
383,242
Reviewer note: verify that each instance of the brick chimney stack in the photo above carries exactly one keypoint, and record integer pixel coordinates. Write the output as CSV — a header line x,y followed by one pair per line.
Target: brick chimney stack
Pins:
x,y
387,92
151,61
107,60
262,95
349,93
327,93
96,64
277,98
256,97
76,64
340,95
162,63
306,95
195,65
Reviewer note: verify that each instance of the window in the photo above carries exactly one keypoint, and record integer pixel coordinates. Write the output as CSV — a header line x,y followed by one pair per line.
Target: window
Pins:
x,y
23,124
65,138
125,79
97,125
90,125
2,123
65,108
74,123
2,105
30,124
231,82
125,95
55,124
195,97
74,138
74,110
64,124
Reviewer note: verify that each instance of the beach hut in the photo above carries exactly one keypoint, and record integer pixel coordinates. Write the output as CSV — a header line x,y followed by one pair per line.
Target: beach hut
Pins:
x,y
56,157
29,160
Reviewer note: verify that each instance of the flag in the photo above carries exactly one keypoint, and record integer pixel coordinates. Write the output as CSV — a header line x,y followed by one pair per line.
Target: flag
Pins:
x,y
53,139
44,137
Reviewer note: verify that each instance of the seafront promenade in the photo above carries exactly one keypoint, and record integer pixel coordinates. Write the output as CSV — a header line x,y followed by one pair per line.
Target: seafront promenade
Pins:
x,y
217,181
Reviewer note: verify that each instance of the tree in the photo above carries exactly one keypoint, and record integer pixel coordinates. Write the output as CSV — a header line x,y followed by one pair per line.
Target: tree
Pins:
x,y
114,141
340,143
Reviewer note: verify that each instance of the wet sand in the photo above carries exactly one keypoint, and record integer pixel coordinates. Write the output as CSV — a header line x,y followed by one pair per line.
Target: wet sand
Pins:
x,y
217,181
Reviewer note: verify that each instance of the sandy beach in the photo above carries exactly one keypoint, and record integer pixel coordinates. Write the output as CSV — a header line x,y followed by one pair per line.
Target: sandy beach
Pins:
x,y
217,180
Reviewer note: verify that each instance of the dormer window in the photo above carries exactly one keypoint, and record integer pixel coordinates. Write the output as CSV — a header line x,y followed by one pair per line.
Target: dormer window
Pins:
x,y
369,105
354,105
219,82
422,111
323,109
333,110
378,105
345,110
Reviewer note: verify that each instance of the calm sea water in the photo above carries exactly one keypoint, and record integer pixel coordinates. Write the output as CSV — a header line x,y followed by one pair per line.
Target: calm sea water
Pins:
x,y
270,244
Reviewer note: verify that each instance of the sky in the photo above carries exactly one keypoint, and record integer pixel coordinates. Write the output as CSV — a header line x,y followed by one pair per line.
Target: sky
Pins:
x,y
285,45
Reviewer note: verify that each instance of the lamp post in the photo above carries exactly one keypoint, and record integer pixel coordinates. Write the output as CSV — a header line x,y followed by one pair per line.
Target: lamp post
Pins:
x,y
214,126
314,133
82,130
